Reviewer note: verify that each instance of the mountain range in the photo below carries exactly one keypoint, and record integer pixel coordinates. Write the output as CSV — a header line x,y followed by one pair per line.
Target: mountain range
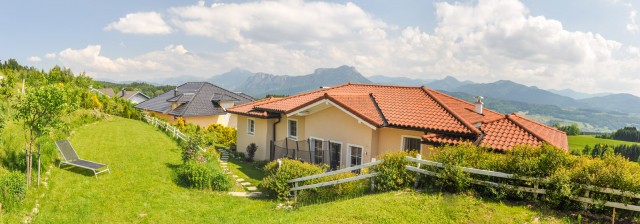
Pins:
x,y
592,111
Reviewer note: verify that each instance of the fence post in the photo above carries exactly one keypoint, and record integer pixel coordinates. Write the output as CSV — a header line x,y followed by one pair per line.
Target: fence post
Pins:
x,y
295,193
415,185
535,186
586,195
373,186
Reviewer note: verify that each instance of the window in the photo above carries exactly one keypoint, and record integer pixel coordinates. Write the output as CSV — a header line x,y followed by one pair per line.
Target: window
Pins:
x,y
410,143
251,126
293,129
355,155
316,150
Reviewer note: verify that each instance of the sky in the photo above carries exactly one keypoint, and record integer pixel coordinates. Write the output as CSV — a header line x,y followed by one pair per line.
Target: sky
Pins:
x,y
586,45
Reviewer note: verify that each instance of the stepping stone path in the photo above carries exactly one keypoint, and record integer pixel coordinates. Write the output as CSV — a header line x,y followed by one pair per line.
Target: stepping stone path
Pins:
x,y
253,191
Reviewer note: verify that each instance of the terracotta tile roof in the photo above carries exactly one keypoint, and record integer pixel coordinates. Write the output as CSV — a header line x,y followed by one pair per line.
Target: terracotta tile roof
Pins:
x,y
546,133
423,113
247,108
512,130
361,105
446,139
453,121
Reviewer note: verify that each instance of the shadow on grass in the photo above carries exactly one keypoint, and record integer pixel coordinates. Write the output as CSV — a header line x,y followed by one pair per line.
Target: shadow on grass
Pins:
x,y
78,170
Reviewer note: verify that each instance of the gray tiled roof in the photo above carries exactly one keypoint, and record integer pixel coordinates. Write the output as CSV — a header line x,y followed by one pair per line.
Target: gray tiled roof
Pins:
x,y
194,99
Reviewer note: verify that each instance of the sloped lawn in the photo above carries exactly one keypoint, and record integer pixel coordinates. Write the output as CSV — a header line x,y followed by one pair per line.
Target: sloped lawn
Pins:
x,y
140,190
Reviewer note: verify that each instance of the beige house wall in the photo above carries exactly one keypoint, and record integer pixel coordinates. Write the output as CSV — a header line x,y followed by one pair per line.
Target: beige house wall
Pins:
x,y
335,125
260,137
165,116
390,140
202,121
329,124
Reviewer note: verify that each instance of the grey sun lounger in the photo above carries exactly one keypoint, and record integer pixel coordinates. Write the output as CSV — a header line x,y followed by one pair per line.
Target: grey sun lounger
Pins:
x,y
70,157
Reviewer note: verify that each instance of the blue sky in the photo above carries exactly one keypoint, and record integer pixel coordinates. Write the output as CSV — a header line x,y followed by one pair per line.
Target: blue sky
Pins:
x,y
591,46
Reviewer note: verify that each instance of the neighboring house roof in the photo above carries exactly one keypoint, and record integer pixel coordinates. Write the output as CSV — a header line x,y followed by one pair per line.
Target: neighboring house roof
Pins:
x,y
106,91
194,99
130,94
446,119
122,94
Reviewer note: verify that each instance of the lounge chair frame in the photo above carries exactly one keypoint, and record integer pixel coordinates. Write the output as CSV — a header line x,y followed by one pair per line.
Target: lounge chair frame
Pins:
x,y
70,157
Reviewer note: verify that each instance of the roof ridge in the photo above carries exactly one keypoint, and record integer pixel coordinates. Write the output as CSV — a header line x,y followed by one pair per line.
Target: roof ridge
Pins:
x,y
454,114
509,117
310,92
226,90
190,101
384,85
347,107
375,104
502,116
538,123
460,100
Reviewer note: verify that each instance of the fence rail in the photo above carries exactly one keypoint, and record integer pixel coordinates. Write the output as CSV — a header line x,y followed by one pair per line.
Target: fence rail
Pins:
x,y
295,182
535,189
175,132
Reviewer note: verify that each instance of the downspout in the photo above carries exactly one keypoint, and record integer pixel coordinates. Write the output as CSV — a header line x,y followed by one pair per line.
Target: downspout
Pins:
x,y
273,139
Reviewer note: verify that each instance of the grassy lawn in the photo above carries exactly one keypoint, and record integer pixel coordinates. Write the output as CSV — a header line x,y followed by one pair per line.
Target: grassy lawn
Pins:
x,y
247,171
578,142
140,189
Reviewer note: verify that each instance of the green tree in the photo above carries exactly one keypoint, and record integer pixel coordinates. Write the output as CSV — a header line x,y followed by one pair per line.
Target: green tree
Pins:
x,y
7,87
39,110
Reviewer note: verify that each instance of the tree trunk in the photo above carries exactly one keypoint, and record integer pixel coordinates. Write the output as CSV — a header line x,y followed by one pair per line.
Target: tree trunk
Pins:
x,y
38,165
26,155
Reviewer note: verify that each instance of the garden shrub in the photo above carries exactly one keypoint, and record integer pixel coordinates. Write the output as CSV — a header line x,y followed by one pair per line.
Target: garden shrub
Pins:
x,y
13,188
349,189
205,175
392,174
530,161
233,147
221,135
275,180
251,151
190,148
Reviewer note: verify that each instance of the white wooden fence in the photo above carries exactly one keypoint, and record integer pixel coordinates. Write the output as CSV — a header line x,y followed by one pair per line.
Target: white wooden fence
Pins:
x,y
297,188
175,132
535,189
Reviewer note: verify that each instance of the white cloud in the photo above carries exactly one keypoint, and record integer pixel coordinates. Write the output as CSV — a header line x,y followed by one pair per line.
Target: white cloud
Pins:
x,y
34,59
632,26
90,60
276,22
51,55
141,23
483,41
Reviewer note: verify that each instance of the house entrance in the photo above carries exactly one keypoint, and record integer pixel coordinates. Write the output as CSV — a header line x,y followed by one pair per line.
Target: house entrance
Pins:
x,y
335,149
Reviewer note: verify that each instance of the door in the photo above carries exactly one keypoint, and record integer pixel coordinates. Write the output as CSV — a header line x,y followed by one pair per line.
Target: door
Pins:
x,y
335,152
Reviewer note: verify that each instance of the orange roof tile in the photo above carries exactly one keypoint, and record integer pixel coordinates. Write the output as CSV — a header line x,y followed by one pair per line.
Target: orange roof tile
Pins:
x,y
248,108
445,139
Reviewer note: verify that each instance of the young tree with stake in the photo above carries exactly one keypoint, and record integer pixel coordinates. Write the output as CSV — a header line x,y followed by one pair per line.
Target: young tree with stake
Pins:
x,y
39,110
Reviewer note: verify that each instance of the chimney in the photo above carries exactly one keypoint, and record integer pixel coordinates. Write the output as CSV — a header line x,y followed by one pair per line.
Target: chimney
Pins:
x,y
175,92
479,104
124,92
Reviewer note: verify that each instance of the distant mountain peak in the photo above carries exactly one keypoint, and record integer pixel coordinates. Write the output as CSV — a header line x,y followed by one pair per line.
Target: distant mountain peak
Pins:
x,y
450,78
